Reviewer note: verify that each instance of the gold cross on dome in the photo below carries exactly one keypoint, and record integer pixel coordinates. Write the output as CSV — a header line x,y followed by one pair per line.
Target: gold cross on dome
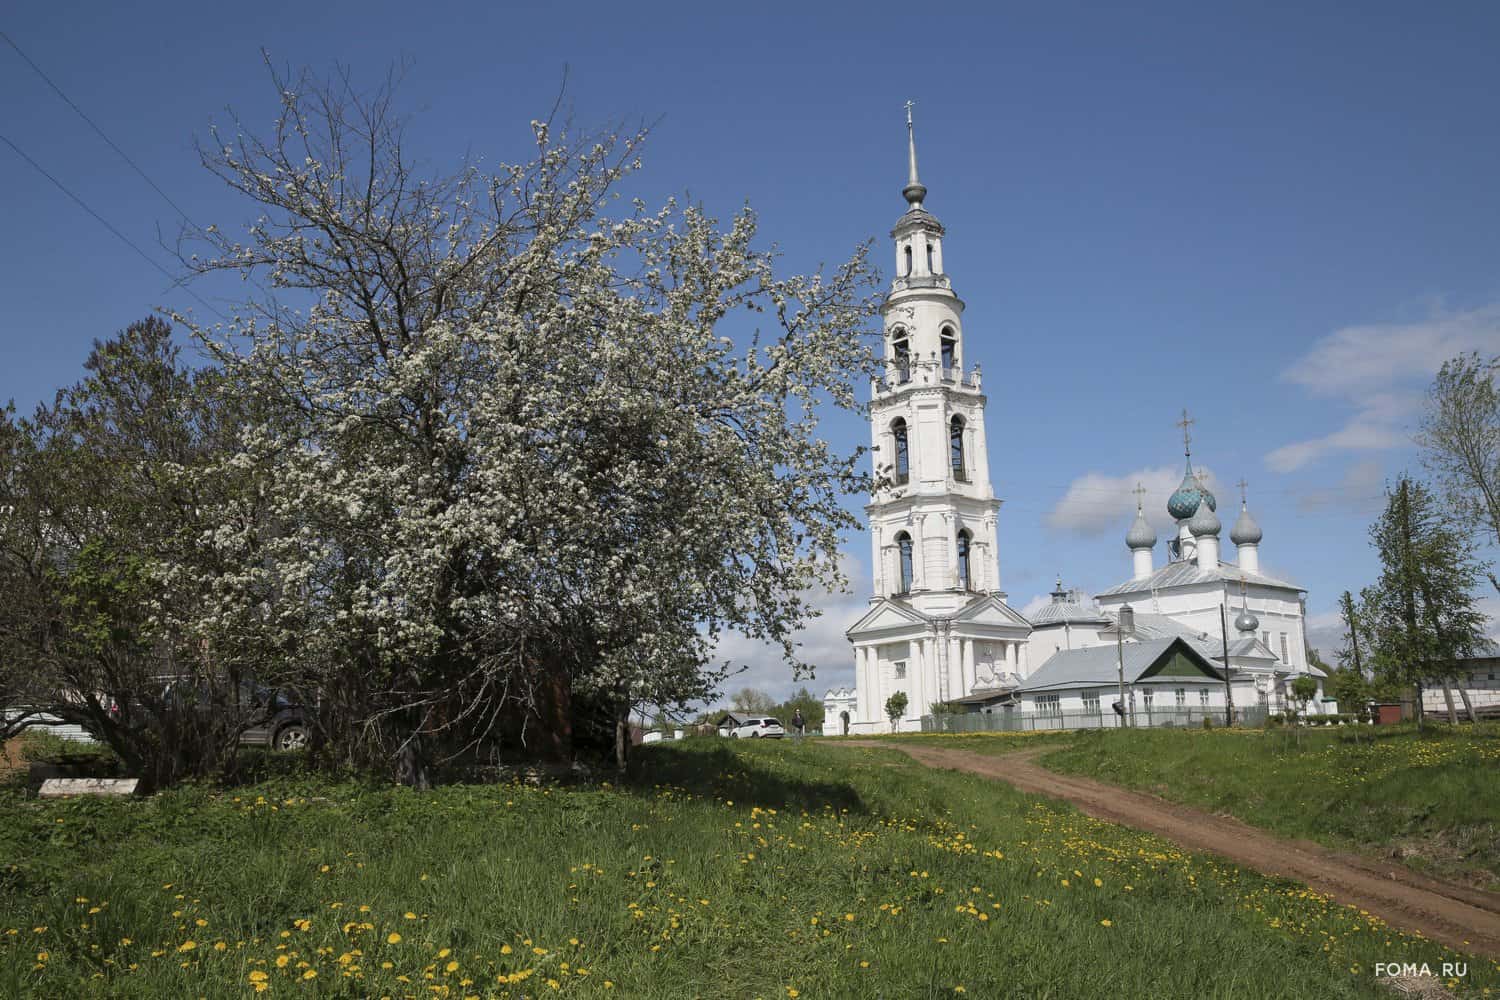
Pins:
x,y
1140,493
1187,438
909,106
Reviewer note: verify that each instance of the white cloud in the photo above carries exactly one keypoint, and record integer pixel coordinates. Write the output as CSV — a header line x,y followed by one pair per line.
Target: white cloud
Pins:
x,y
1380,371
821,644
1036,604
1098,503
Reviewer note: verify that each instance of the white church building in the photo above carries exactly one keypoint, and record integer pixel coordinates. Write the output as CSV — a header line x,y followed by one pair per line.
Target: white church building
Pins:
x,y
938,628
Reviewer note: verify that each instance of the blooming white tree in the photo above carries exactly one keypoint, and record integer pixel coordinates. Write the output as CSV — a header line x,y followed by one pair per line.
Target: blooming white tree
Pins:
x,y
525,457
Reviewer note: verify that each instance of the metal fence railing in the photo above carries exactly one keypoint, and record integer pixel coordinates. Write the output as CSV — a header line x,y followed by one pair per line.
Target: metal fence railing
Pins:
x,y
1018,721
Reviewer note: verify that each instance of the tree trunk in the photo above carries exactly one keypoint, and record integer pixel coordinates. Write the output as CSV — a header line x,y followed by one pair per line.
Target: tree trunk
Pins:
x,y
1463,693
622,740
1420,714
1448,697
411,765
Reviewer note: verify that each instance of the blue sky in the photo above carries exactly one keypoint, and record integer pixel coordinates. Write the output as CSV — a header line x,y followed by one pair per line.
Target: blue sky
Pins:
x,y
1281,217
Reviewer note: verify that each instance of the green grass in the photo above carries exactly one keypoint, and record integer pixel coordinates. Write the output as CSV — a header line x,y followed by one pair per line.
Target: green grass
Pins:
x,y
1431,799
721,869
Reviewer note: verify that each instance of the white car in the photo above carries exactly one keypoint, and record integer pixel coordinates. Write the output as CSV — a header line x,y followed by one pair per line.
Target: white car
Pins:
x,y
758,729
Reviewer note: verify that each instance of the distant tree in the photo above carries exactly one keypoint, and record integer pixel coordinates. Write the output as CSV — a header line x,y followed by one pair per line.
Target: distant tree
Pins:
x,y
1460,440
751,701
1304,688
1422,617
895,708
810,707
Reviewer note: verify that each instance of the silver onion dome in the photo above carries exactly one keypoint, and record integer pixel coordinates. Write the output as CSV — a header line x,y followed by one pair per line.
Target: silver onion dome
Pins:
x,y
1141,535
1245,531
1205,521
1245,621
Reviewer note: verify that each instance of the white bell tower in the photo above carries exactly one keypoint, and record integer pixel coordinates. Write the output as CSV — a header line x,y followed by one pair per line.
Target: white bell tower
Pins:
x,y
938,629
932,514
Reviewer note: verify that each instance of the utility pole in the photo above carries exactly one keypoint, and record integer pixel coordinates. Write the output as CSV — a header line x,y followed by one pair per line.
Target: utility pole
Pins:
x,y
1125,620
1228,690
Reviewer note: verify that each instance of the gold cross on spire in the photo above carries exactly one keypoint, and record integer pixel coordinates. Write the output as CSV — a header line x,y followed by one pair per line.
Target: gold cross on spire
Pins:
x,y
1140,493
909,106
1244,499
1187,437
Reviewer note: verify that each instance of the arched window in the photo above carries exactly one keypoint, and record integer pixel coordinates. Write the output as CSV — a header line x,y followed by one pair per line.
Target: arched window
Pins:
x,y
908,260
964,579
956,449
949,341
903,543
903,451
901,355
930,268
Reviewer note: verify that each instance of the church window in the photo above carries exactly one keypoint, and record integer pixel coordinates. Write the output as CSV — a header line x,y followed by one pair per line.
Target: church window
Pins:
x,y
930,268
1284,658
901,355
956,448
950,352
903,545
903,451
899,669
908,261
964,579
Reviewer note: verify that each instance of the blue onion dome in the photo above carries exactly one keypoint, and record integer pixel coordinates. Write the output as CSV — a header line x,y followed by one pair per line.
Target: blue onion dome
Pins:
x,y
1141,535
1245,621
1245,531
1205,521
1183,503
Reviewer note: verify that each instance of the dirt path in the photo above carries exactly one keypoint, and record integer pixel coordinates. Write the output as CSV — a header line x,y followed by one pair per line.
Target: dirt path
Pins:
x,y
1458,916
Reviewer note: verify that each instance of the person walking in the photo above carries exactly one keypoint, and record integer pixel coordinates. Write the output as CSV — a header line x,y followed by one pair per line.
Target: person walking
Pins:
x,y
799,726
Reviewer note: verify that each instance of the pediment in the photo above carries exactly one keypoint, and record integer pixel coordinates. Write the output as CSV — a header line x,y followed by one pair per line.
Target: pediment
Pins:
x,y
992,611
887,614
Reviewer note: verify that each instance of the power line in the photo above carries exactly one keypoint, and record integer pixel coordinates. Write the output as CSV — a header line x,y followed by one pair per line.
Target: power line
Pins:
x,y
106,224
92,124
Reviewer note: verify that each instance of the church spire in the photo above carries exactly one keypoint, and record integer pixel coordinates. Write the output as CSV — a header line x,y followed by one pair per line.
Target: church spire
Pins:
x,y
914,192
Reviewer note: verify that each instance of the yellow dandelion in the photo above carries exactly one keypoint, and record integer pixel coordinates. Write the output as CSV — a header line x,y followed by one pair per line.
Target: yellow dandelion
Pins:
x,y
393,938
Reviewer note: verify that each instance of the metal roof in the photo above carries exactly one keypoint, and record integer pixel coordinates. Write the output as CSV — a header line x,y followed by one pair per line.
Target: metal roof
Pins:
x,y
1185,573
1099,665
1073,611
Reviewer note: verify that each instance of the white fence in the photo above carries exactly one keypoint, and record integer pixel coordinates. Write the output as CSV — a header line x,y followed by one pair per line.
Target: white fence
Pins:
x,y
1024,722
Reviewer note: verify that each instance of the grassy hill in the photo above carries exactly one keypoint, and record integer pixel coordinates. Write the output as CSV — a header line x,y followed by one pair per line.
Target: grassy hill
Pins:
x,y
1429,799
718,869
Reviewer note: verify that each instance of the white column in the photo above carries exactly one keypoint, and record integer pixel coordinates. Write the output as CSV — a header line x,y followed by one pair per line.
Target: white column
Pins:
x,y
877,561
952,521
966,663
956,687
918,688
918,555
869,687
